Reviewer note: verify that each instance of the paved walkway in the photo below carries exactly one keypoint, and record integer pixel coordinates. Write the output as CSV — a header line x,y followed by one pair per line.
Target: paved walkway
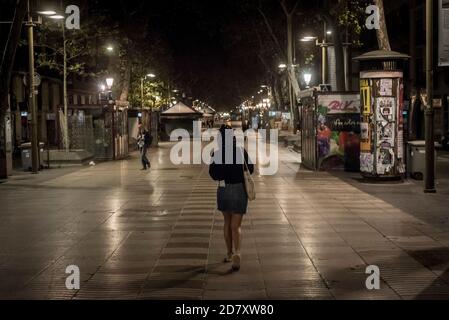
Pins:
x,y
156,235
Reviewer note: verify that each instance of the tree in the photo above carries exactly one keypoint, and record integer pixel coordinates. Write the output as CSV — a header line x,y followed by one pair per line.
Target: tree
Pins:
x,y
6,66
69,52
382,33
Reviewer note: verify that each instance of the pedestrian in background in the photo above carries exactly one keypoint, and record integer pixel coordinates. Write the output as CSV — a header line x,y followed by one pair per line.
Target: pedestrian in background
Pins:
x,y
232,199
145,142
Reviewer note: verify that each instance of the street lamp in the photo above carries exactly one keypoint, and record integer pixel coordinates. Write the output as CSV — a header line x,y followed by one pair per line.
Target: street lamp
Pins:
x,y
110,83
57,17
47,12
282,66
308,38
30,24
307,79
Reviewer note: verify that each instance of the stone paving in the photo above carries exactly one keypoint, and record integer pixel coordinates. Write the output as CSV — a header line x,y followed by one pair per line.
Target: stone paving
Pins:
x,y
157,235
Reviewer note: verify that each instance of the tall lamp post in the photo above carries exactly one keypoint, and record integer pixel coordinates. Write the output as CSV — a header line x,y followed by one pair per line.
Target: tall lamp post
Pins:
x,y
32,98
54,16
429,112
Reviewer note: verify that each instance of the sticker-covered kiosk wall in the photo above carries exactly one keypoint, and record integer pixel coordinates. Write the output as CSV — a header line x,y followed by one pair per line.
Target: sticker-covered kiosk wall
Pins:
x,y
382,153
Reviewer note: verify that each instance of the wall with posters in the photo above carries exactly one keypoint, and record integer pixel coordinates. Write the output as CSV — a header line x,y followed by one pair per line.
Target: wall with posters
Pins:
x,y
382,126
338,132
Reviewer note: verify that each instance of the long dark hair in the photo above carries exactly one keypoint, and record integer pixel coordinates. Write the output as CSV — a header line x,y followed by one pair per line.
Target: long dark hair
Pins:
x,y
225,145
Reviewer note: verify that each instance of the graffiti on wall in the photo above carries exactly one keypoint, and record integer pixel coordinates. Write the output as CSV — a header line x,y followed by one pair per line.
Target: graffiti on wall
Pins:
x,y
338,129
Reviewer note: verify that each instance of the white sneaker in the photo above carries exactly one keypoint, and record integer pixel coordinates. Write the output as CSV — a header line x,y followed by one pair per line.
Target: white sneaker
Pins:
x,y
236,262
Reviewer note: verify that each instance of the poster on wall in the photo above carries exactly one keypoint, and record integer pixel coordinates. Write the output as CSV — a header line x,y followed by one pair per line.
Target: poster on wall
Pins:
x,y
386,87
385,159
365,94
367,162
386,109
365,137
385,132
443,33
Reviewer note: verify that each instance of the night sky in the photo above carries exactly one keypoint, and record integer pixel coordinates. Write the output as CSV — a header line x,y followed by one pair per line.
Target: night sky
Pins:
x,y
210,56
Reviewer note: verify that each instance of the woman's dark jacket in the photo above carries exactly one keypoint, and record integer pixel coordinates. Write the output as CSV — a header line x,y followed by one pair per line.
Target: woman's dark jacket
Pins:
x,y
230,173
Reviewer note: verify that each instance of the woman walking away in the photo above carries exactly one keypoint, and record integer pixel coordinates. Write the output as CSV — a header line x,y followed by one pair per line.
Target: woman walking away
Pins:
x,y
232,199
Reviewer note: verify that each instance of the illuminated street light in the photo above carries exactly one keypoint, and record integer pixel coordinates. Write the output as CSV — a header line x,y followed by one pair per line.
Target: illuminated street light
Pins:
x,y
151,75
282,66
308,39
56,17
110,48
110,82
307,79
47,13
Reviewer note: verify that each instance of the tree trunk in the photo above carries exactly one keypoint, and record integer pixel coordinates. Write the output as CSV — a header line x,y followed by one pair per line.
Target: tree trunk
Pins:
x,y
6,66
382,33
126,82
293,80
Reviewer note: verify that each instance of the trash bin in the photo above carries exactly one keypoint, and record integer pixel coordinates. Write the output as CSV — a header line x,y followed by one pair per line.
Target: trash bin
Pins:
x,y
417,159
27,162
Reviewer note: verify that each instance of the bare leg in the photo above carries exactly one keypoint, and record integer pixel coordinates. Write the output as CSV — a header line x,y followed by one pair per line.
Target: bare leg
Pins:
x,y
236,225
228,232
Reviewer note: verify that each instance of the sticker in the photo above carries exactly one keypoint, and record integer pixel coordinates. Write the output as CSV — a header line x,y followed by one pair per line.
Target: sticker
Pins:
x,y
365,94
366,162
401,144
386,87
385,160
385,132
385,109
364,130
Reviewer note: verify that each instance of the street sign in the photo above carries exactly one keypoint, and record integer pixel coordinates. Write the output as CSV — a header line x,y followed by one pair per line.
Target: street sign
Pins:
x,y
37,79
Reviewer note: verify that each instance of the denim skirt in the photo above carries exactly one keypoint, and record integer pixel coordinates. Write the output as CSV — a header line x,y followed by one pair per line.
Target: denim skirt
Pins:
x,y
232,198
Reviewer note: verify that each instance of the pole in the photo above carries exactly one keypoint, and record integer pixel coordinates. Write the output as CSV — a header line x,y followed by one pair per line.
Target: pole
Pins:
x,y
324,56
32,97
429,113
290,69
141,103
151,110
66,121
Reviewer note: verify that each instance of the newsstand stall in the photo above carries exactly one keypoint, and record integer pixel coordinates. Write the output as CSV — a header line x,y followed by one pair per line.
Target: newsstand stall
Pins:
x,y
330,134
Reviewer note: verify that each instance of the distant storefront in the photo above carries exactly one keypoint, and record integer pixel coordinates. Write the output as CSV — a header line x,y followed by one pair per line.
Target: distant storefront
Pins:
x,y
101,130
